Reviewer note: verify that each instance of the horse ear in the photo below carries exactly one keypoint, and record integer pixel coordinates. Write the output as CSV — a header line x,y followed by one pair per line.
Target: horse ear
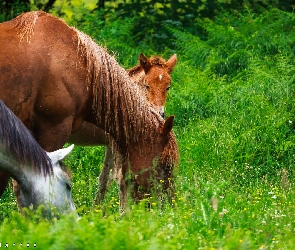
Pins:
x,y
144,62
169,122
171,62
60,154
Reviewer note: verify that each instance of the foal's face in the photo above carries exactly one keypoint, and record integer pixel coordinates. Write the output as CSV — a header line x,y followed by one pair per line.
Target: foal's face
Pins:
x,y
154,78
157,83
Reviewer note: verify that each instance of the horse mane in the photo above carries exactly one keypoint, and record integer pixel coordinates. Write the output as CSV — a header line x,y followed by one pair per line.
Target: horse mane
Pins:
x,y
112,91
17,141
137,120
170,154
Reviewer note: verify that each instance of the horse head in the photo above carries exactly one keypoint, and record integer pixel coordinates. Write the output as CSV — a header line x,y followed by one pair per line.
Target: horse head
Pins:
x,y
152,168
153,74
52,191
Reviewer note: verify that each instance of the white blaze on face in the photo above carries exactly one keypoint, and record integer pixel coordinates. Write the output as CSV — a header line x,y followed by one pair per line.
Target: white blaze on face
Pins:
x,y
160,77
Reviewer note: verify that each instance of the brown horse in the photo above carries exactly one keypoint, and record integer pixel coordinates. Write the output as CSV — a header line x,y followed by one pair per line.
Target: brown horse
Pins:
x,y
153,76
55,79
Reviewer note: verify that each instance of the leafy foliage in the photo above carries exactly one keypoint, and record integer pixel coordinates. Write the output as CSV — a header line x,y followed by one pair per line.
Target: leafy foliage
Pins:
x,y
238,104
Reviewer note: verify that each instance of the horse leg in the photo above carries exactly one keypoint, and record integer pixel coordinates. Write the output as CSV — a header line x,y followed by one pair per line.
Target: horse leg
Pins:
x,y
104,176
168,190
4,177
119,174
16,191
123,191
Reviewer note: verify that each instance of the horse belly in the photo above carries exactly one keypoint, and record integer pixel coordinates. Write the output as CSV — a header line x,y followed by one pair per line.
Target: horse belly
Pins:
x,y
89,135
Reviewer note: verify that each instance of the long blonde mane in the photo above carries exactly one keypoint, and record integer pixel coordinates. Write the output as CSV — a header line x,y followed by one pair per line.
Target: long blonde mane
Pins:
x,y
139,121
115,95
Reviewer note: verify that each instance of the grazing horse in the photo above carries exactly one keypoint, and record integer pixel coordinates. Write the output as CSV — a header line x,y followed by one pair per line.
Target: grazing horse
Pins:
x,y
56,80
39,174
153,76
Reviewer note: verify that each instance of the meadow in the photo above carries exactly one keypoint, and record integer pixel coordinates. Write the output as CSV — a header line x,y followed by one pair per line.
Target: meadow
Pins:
x,y
232,95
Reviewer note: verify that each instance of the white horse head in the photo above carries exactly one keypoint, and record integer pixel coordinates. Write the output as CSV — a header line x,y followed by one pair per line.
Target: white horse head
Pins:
x,y
41,177
52,190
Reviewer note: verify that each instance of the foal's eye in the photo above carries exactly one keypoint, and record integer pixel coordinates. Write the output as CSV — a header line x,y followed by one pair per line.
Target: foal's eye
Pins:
x,y
168,88
147,87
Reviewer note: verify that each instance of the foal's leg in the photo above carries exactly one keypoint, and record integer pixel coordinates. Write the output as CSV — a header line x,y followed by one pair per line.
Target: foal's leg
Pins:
x,y
104,176
119,173
123,191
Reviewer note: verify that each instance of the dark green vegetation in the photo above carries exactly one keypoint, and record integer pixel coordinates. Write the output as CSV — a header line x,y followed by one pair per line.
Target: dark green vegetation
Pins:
x,y
233,98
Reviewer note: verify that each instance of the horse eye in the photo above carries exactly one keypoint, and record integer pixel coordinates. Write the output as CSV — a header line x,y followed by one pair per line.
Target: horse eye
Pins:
x,y
168,88
69,186
147,87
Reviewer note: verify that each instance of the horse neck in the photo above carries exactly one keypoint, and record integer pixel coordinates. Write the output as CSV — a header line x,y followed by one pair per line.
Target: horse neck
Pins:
x,y
19,150
116,100
119,107
13,167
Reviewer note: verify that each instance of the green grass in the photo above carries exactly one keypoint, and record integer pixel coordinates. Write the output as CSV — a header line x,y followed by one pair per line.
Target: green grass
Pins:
x,y
233,98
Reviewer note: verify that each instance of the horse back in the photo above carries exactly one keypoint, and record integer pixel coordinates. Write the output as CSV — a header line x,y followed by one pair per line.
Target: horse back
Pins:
x,y
42,74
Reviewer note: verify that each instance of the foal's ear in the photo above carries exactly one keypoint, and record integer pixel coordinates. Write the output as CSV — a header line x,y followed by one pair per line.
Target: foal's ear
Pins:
x,y
169,122
144,62
171,63
60,154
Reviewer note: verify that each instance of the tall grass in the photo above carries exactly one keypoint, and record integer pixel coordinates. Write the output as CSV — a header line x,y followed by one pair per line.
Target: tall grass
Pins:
x,y
233,97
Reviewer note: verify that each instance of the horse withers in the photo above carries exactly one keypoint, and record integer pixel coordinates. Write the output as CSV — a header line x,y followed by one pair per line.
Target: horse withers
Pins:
x,y
55,78
41,179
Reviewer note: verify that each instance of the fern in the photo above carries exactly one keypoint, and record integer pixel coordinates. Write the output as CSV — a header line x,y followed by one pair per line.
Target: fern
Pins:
x,y
191,47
